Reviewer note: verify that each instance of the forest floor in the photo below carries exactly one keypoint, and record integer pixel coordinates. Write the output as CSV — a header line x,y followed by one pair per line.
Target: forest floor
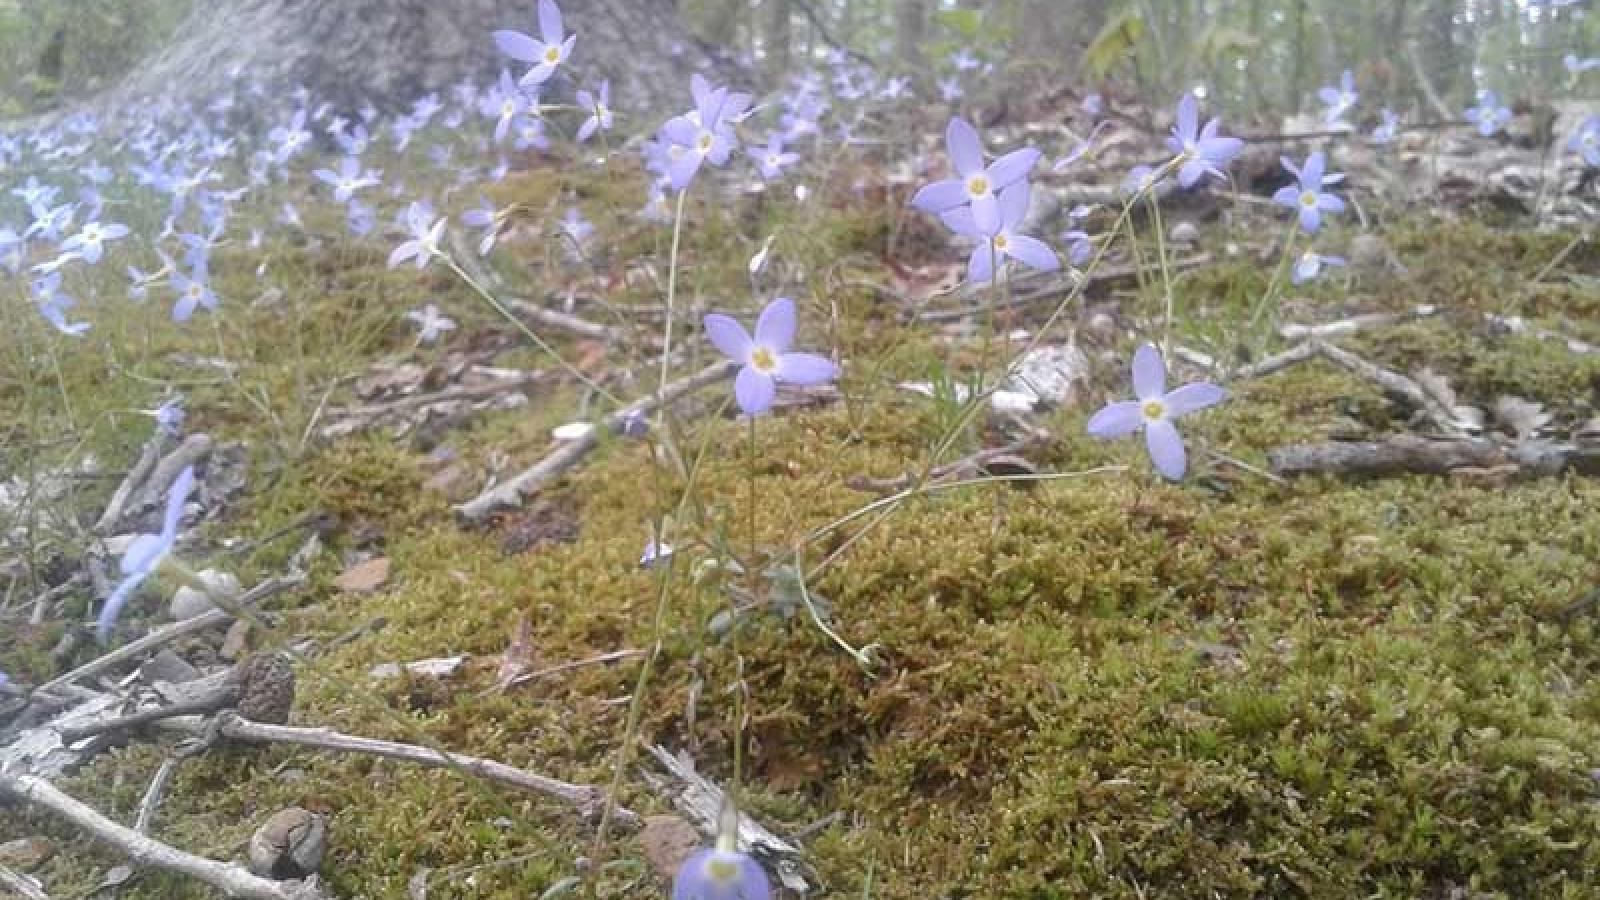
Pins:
x,y
1106,686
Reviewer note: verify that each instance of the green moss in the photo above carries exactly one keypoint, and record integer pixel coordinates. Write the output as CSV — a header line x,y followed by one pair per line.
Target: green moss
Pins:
x,y
1107,687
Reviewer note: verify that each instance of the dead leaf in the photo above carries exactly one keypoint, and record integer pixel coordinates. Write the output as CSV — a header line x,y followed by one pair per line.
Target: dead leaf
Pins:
x,y
364,578
667,842
1525,418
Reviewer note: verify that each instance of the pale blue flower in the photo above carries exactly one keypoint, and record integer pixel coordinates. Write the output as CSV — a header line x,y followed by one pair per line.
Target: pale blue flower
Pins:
x,y
1310,265
1339,99
1154,411
976,185
90,240
145,554
599,108
547,52
425,234
1308,197
1200,151
1005,242
1488,115
765,356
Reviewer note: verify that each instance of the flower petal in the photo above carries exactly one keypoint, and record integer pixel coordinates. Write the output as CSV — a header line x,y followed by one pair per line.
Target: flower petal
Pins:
x,y
517,45
1149,373
986,214
805,369
1311,175
1288,195
1011,168
1116,420
1032,252
1188,124
980,265
940,196
1161,438
1192,397
549,21
776,326
114,604
1014,204
176,496
966,149
754,391
728,336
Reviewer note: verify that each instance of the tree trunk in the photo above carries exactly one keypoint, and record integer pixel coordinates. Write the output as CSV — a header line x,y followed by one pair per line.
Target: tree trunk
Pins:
x,y
911,30
390,52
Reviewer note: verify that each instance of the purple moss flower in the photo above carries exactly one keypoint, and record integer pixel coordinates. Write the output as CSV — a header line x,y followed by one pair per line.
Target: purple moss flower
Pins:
x,y
1488,115
599,108
1200,151
1154,411
1310,265
774,159
486,217
547,53
145,554
90,240
432,323
1388,128
504,103
53,305
1308,196
1586,141
194,290
1004,243
349,179
765,356
712,873
1339,99
1079,248
703,134
425,231
975,185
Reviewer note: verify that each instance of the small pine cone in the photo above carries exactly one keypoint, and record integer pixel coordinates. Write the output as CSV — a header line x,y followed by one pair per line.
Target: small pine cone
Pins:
x,y
266,688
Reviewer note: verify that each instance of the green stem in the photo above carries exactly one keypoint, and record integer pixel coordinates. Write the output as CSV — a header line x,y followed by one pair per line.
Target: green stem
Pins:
x,y
672,296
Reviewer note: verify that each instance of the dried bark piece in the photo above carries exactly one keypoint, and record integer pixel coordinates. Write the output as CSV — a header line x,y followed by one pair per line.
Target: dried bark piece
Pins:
x,y
290,844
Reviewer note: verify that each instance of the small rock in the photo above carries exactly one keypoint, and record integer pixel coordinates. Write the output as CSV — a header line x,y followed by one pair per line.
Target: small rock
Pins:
x,y
235,642
26,854
1184,233
1053,374
364,578
169,667
188,602
667,842
290,844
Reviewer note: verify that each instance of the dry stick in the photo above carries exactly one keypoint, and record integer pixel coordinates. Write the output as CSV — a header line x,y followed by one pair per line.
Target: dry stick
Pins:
x,y
459,392
1355,323
975,462
160,636
148,457
578,326
1299,353
1412,455
1519,325
232,880
587,799
21,885
194,448
157,791
1394,383
511,492
613,656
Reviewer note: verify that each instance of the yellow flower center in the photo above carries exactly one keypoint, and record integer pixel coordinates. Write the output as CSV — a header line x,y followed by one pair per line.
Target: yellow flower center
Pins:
x,y
1001,242
1308,198
1153,409
552,55
978,185
194,291
704,142
764,360
508,108
722,871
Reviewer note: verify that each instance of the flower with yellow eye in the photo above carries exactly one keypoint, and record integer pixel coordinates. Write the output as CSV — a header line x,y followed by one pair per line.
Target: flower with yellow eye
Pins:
x,y
547,53
1308,196
722,872
765,356
1154,411
976,185
1004,243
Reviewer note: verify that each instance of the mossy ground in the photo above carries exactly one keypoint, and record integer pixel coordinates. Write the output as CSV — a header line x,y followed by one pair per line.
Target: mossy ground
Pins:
x,y
1101,687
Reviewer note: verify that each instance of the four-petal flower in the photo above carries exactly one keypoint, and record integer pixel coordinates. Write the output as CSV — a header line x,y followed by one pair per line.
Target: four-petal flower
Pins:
x,y
1154,411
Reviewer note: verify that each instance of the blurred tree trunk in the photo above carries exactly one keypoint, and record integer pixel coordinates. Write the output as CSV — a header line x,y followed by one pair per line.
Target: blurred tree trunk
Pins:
x,y
910,31
779,35
390,52
1441,55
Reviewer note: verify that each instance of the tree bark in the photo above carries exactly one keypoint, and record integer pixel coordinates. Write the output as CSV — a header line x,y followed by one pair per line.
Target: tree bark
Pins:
x,y
390,52
911,31
779,34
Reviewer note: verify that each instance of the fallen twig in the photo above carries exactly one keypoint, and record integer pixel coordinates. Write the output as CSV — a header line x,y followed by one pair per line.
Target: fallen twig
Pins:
x,y
1356,323
1276,363
1519,325
1412,455
512,491
965,467
613,656
581,327
194,448
21,885
232,880
148,457
587,799
1394,383
157,791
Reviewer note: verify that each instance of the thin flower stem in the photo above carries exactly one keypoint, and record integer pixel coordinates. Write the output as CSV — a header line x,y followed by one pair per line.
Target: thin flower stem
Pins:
x,y
1277,276
1166,277
672,296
